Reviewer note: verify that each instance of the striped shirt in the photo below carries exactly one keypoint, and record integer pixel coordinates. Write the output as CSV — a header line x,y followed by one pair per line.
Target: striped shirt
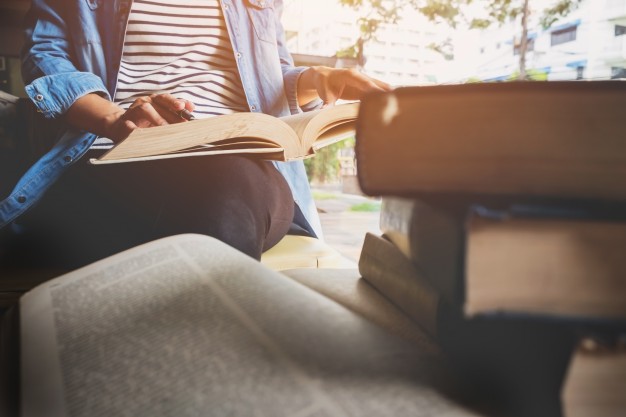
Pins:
x,y
183,48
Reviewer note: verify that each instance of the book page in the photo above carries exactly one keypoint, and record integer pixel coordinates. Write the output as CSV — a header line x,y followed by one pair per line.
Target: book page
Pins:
x,y
323,127
266,153
333,134
168,139
189,326
348,288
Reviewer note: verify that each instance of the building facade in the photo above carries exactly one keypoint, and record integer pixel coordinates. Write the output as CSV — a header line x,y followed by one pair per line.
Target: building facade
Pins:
x,y
590,43
401,53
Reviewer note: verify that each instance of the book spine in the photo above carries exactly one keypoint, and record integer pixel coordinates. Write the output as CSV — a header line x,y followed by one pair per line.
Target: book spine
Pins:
x,y
390,272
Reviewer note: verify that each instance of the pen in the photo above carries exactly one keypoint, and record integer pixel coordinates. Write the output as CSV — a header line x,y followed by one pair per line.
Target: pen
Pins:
x,y
185,114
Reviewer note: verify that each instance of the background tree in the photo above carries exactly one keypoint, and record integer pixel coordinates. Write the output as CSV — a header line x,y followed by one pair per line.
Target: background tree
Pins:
x,y
325,166
455,13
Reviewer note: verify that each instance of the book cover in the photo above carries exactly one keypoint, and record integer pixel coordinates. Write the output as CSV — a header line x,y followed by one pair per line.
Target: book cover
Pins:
x,y
558,140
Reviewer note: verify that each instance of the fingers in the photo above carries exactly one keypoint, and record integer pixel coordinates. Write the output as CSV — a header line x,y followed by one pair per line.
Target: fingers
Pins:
x,y
348,84
146,111
383,85
329,97
143,113
172,103
365,83
158,110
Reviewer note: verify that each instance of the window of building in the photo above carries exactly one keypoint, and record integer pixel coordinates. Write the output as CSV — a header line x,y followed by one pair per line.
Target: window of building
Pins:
x,y
620,30
564,35
618,73
580,73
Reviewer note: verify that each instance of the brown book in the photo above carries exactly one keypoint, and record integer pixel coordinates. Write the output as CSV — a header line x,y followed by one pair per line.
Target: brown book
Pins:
x,y
531,139
556,267
596,381
254,134
513,264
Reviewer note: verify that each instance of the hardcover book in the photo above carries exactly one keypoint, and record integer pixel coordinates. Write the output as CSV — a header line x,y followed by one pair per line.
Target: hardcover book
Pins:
x,y
524,139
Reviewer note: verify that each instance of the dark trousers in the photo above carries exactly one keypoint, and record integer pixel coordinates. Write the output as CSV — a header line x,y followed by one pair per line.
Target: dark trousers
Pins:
x,y
95,211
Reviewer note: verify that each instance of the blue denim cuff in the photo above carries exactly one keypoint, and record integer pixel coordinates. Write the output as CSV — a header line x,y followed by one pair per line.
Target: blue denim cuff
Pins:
x,y
54,94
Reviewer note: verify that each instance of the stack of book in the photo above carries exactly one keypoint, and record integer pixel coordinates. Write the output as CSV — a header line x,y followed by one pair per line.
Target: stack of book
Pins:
x,y
504,228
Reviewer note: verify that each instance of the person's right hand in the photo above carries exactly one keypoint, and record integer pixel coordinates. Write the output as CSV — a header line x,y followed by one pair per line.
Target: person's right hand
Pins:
x,y
149,111
98,115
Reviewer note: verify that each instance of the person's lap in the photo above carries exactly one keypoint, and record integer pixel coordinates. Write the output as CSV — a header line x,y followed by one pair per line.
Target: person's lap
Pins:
x,y
95,211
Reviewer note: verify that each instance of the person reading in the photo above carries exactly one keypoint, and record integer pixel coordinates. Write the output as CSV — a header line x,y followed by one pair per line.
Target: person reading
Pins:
x,y
106,68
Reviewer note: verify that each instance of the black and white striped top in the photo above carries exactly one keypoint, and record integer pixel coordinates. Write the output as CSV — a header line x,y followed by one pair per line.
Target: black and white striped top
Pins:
x,y
181,47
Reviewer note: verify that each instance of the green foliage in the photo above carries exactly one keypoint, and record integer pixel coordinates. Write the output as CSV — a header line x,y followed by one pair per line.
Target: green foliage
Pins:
x,y
472,80
561,9
378,12
479,24
320,195
445,48
366,206
448,11
324,166
531,75
349,52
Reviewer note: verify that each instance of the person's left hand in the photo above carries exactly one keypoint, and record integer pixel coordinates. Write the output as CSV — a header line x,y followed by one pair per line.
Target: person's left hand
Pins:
x,y
331,84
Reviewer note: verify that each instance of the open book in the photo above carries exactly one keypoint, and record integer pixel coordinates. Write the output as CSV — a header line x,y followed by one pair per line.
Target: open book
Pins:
x,y
254,134
189,326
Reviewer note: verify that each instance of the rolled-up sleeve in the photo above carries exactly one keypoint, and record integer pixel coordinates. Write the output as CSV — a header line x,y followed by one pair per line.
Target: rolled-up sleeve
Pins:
x,y
54,94
53,81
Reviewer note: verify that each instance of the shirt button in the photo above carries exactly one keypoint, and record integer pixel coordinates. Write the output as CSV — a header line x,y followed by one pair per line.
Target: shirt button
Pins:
x,y
238,55
253,108
39,97
67,158
21,199
225,6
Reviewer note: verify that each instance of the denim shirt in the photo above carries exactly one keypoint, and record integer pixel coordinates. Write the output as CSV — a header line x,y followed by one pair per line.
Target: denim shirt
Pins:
x,y
75,49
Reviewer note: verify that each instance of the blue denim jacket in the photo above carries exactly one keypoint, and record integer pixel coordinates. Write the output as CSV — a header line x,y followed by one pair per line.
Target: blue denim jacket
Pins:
x,y
75,48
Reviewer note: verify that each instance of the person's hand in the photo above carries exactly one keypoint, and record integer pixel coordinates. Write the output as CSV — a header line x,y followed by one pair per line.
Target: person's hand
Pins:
x,y
98,115
149,111
331,84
